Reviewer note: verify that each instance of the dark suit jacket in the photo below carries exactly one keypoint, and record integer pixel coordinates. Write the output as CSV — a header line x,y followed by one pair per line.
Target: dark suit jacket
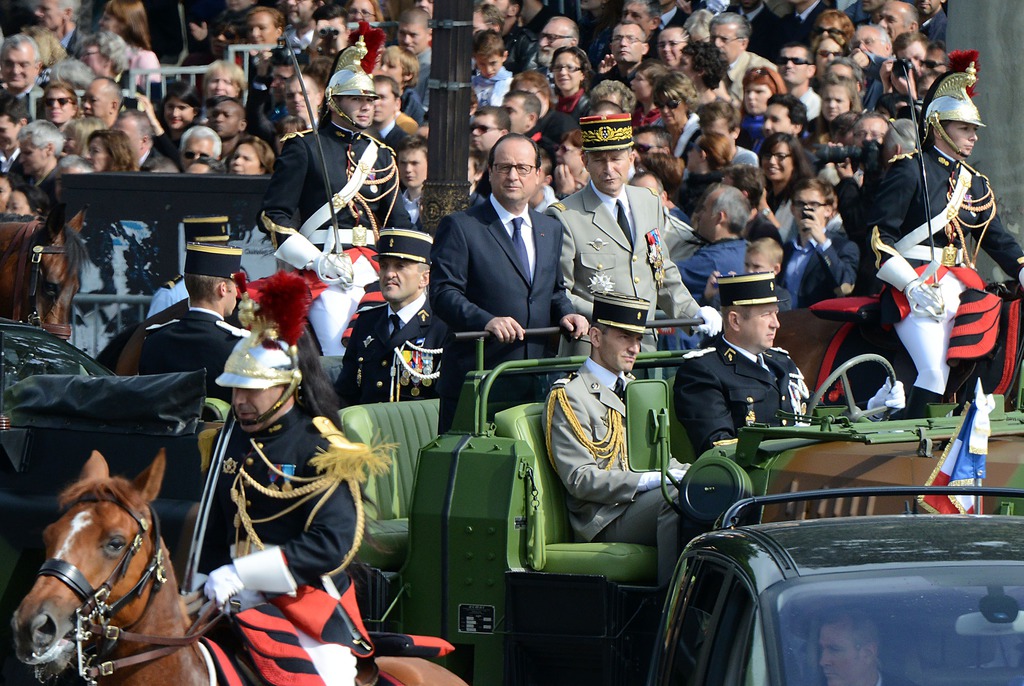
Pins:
x,y
196,341
475,276
395,136
766,32
795,31
370,354
824,272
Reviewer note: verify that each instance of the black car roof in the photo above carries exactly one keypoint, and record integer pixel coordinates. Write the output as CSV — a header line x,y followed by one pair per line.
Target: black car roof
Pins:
x,y
831,545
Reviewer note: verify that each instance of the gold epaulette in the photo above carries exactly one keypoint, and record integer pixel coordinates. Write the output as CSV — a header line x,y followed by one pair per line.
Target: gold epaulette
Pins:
x,y
345,460
295,134
207,439
558,206
725,441
903,156
173,282
653,192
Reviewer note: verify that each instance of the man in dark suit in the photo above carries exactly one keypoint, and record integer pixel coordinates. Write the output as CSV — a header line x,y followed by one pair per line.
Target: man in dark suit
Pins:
x,y
495,268
201,339
765,25
796,27
394,352
848,647
386,109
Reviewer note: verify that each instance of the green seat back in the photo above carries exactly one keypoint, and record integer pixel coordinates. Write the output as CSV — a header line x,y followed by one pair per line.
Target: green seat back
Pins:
x,y
407,425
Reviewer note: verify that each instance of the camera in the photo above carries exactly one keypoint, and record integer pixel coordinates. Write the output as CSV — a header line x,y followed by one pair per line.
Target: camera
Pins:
x,y
868,158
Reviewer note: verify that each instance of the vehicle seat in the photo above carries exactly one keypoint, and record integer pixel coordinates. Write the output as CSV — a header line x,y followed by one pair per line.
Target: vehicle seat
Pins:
x,y
551,542
409,426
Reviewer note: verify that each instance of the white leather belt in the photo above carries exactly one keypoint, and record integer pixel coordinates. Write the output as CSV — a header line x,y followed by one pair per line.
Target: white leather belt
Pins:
x,y
925,254
320,237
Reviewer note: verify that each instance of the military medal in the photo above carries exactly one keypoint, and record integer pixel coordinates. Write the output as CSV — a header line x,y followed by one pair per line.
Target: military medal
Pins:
x,y
655,256
601,283
288,470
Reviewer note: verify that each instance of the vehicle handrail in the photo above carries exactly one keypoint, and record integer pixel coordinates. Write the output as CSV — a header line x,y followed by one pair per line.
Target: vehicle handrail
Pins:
x,y
734,515
483,392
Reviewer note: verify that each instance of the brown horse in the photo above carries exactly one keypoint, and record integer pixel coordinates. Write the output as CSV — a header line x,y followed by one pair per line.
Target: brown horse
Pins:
x,y
107,566
39,270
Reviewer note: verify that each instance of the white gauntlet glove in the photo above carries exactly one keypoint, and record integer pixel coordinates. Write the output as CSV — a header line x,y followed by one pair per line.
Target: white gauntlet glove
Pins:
x,y
334,269
893,397
712,325
222,584
925,301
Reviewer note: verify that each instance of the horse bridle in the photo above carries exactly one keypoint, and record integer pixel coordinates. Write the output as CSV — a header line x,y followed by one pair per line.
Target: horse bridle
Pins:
x,y
30,256
94,616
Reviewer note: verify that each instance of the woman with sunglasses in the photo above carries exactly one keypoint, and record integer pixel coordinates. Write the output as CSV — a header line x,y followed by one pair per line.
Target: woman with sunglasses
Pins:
x,y
60,103
676,98
705,66
571,71
836,24
826,47
785,165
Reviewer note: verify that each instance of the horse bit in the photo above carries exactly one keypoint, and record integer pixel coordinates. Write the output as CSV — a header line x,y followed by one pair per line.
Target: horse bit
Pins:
x,y
93,617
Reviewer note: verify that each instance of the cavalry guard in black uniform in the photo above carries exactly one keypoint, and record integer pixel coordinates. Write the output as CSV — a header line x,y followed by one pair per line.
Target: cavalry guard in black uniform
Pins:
x,y
395,349
201,339
929,266
281,513
363,179
199,229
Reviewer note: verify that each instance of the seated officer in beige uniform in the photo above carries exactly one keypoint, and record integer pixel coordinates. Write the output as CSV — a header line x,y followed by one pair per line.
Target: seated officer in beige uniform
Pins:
x,y
585,430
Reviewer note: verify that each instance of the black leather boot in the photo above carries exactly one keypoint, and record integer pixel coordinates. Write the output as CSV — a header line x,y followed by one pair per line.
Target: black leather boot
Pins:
x,y
918,401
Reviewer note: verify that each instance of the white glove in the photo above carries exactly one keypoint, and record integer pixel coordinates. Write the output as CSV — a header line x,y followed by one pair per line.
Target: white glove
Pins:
x,y
334,269
223,583
925,301
712,325
893,397
648,481
678,474
1020,277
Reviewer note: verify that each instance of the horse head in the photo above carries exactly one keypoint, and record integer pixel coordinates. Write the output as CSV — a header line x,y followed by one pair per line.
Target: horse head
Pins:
x,y
99,568
60,252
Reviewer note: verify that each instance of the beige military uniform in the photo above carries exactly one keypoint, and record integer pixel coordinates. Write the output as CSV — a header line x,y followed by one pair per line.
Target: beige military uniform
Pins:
x,y
596,258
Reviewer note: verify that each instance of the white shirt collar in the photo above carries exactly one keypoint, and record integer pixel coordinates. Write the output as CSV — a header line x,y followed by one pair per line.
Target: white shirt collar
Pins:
x,y
206,311
753,13
667,17
385,130
746,353
506,217
409,311
605,376
803,15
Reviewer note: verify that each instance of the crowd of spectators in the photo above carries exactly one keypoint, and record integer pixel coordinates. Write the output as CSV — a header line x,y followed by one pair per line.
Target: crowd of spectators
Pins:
x,y
794,103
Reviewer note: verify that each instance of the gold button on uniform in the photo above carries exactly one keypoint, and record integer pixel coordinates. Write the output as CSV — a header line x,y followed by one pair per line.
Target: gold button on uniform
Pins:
x,y
600,266
383,363
634,258
380,384
248,461
636,279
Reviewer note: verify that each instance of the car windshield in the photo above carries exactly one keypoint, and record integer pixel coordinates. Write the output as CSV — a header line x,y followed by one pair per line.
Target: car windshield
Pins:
x,y
950,626
28,353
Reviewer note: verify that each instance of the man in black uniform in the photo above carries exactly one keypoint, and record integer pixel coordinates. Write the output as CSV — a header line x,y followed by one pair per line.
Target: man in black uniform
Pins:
x,y
921,302
286,502
742,380
196,229
201,339
364,183
395,350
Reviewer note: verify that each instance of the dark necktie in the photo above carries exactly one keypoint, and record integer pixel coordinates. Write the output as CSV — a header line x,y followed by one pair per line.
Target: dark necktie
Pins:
x,y
620,389
520,246
396,324
623,221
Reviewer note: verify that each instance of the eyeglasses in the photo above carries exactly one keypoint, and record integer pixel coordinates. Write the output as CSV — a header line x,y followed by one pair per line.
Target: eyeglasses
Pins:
x,y
724,39
668,104
628,40
932,64
830,53
830,30
191,154
798,61
552,37
799,205
57,102
779,156
521,169
643,148
670,43
572,69
480,128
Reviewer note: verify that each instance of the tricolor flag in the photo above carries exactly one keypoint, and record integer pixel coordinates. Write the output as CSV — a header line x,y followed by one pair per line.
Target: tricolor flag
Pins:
x,y
963,461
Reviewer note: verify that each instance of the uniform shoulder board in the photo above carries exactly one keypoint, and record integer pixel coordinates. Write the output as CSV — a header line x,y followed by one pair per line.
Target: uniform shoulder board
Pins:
x,y
561,383
557,206
173,282
295,134
694,354
653,192
780,350
903,156
154,327
974,171
233,330
207,440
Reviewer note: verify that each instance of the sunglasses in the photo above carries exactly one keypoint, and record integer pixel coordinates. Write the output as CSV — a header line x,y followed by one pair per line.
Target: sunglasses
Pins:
x,y
668,104
830,30
798,61
191,154
57,102
932,64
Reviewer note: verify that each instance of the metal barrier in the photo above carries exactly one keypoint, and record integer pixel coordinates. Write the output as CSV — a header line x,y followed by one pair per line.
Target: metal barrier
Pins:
x,y
98,317
166,74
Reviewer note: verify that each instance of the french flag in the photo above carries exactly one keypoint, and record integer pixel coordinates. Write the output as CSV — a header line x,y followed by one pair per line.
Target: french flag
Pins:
x,y
963,461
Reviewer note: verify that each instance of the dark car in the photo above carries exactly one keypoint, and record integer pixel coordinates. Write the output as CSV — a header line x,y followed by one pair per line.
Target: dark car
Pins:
x,y
907,599
29,351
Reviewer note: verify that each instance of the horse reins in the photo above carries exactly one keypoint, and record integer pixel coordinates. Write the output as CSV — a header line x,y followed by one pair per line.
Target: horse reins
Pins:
x,y
93,618
30,251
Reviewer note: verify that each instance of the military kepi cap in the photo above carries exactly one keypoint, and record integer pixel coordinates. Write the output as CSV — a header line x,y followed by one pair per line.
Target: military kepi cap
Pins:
x,y
623,311
206,229
607,132
405,244
204,259
747,289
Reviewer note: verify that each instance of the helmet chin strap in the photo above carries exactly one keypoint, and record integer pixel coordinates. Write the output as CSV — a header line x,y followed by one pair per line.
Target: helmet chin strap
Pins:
x,y
333,106
289,390
940,131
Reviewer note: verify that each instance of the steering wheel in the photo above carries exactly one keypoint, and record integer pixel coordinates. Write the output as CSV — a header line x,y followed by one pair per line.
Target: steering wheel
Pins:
x,y
841,372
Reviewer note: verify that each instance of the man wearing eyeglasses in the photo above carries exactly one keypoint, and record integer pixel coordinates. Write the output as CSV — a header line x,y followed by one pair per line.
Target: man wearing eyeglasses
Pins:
x,y
495,268
628,48
559,32
615,235
765,26
797,68
730,33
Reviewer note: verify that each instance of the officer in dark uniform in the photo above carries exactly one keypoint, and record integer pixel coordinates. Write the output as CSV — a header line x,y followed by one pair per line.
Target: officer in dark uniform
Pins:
x,y
923,305
364,183
201,339
741,379
395,349
199,229
286,501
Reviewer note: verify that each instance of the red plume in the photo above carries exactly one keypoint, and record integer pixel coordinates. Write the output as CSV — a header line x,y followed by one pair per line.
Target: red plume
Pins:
x,y
373,39
286,300
241,282
959,60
